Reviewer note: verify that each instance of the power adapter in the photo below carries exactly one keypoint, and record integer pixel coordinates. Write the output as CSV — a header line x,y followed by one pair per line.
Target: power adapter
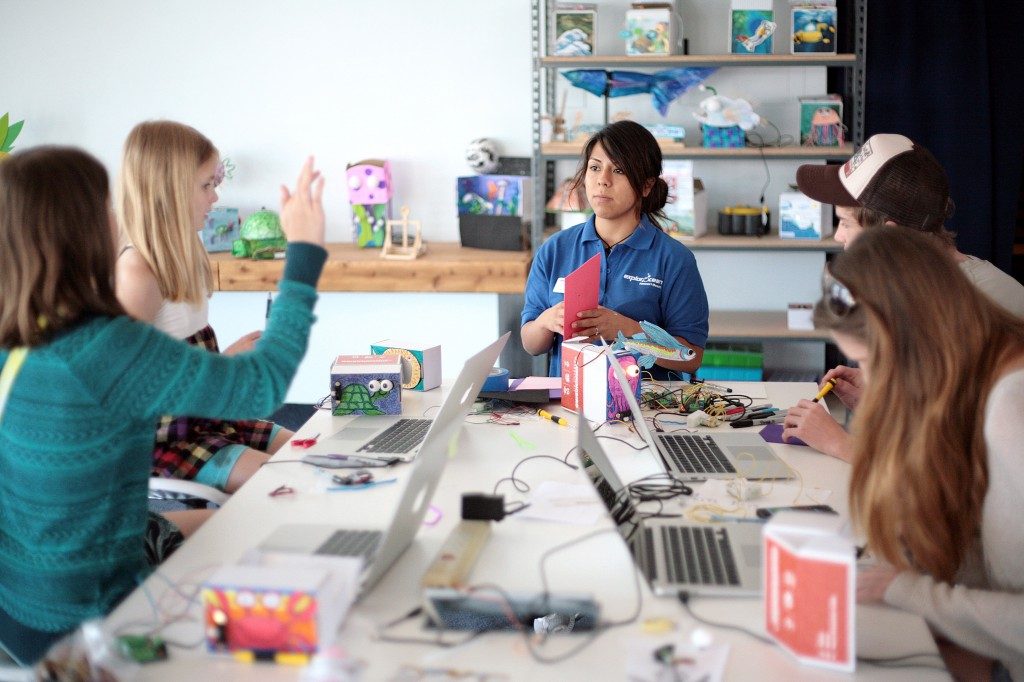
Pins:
x,y
483,507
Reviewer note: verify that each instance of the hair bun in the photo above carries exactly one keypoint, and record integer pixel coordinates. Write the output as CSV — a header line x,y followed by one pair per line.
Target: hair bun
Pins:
x,y
658,196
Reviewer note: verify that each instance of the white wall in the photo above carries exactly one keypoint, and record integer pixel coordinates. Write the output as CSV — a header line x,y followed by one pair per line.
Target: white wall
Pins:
x,y
270,82
407,80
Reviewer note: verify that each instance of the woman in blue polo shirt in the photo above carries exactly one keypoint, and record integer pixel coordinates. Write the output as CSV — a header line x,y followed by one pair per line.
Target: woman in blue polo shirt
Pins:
x,y
646,275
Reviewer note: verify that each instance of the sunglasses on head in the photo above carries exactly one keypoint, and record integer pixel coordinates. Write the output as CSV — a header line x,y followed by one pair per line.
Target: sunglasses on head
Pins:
x,y
837,295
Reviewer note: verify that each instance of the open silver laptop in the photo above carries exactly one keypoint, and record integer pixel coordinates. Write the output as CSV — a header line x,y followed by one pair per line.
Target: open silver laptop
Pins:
x,y
698,457
719,559
382,549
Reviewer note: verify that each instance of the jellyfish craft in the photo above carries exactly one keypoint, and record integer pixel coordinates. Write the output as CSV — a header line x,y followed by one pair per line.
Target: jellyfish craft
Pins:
x,y
664,86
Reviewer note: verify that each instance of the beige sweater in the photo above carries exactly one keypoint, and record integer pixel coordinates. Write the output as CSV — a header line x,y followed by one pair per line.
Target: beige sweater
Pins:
x,y
984,610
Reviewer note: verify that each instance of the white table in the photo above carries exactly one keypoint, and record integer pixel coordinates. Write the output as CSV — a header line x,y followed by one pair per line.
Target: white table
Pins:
x,y
600,566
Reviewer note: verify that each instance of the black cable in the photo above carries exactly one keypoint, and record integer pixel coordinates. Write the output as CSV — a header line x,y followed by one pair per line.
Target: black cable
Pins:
x,y
516,482
684,599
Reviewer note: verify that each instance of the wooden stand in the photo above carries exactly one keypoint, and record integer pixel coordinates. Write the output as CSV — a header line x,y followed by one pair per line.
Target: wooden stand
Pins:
x,y
405,250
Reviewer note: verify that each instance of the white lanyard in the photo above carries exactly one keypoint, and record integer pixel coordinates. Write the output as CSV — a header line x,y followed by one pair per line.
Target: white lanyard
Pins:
x,y
15,359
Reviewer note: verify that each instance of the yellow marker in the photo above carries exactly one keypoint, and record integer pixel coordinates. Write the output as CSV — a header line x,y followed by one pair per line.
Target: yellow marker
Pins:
x,y
561,421
829,385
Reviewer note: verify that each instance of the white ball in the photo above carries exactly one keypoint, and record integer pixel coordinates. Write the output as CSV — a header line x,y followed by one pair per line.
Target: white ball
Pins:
x,y
482,155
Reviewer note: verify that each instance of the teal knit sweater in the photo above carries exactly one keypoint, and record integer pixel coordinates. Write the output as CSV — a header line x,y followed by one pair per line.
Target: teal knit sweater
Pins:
x,y
77,437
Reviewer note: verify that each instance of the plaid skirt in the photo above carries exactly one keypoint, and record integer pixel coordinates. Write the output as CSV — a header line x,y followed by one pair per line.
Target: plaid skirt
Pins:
x,y
184,444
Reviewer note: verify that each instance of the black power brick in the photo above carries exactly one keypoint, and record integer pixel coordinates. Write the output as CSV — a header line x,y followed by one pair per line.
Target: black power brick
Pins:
x,y
483,507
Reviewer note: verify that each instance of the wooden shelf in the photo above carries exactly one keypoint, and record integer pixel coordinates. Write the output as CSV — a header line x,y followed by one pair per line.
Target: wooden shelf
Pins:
x,y
758,325
618,61
680,150
446,267
769,242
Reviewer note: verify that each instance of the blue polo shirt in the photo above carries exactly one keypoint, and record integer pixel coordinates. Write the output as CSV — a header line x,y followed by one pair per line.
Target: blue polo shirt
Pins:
x,y
649,277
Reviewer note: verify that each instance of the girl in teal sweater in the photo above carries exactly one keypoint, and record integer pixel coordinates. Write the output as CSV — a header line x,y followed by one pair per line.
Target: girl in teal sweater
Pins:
x,y
82,385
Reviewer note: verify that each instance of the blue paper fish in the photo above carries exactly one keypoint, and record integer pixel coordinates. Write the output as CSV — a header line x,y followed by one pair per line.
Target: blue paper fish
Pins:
x,y
653,343
664,86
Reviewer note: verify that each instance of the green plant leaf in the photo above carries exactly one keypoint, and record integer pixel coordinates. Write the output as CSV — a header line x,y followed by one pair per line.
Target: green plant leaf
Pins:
x,y
12,135
3,130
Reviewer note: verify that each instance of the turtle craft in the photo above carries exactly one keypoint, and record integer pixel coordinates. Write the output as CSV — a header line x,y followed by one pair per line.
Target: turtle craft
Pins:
x,y
260,237
359,399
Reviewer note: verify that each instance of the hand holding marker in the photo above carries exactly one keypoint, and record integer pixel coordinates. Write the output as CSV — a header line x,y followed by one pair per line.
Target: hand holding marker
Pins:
x,y
829,385
561,421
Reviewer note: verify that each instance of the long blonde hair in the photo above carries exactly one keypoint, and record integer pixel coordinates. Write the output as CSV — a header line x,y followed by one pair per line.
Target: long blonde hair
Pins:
x,y
936,346
155,190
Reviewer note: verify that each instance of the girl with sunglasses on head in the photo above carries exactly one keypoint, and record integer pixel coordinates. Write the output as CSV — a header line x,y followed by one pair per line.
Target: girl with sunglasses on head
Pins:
x,y
168,183
646,275
83,383
937,444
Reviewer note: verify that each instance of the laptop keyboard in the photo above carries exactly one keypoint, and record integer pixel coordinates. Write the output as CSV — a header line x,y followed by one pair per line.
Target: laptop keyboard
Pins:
x,y
696,556
351,543
696,454
402,436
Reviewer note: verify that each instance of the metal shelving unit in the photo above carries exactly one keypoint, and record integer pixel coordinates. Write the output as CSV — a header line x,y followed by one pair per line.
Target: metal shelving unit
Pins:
x,y
734,325
543,94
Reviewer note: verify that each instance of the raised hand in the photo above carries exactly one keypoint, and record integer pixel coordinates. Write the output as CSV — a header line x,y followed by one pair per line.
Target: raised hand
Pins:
x,y
302,211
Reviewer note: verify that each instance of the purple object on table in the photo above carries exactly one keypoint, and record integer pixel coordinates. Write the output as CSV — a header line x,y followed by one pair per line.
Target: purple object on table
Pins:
x,y
773,434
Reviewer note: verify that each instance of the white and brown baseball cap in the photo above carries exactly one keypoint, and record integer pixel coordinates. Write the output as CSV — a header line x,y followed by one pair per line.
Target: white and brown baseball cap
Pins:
x,y
889,174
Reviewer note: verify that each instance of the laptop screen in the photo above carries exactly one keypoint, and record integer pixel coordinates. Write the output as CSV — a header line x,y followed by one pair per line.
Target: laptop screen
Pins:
x,y
605,481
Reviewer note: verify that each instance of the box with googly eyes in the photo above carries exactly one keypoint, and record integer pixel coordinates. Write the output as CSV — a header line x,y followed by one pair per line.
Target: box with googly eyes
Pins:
x,y
366,384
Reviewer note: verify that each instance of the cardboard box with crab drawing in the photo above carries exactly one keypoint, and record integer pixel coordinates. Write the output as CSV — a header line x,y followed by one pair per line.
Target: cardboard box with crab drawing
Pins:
x,y
366,384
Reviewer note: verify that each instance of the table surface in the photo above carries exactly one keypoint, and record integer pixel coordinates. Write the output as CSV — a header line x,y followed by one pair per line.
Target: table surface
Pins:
x,y
599,566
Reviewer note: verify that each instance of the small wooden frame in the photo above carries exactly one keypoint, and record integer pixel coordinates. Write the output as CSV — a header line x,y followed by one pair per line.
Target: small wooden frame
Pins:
x,y
405,250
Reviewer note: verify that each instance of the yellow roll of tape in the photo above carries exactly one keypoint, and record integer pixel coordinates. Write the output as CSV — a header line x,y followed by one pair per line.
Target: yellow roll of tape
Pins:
x,y
411,370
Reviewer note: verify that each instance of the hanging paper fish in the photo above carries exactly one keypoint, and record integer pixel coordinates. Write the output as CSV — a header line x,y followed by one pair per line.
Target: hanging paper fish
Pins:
x,y
653,343
664,86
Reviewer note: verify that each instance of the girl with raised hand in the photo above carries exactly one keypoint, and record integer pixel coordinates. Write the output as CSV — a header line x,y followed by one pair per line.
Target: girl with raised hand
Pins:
x,y
83,383
168,182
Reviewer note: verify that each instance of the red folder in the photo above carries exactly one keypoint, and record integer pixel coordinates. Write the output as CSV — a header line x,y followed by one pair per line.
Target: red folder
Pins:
x,y
581,293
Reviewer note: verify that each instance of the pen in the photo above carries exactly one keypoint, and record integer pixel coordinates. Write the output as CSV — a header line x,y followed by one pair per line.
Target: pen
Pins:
x,y
713,387
740,423
270,299
829,385
561,421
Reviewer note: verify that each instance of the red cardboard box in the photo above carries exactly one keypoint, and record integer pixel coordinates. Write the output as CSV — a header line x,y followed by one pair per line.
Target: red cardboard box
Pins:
x,y
810,588
588,385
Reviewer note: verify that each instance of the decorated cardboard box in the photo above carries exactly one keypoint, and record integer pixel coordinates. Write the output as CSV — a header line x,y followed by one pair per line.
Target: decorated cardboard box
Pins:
x,y
504,195
687,205
821,121
752,25
801,217
220,229
810,581
369,192
653,29
588,385
421,365
366,384
574,30
273,611
814,27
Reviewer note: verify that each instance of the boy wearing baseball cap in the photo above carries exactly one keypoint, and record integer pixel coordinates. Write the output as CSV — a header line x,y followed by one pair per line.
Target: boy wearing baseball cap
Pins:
x,y
890,180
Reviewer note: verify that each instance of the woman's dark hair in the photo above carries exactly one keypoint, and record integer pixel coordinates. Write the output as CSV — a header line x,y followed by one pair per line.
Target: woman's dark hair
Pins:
x,y
57,259
632,149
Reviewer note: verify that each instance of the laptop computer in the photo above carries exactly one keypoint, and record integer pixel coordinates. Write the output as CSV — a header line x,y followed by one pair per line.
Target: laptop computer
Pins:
x,y
712,559
386,436
381,549
698,457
